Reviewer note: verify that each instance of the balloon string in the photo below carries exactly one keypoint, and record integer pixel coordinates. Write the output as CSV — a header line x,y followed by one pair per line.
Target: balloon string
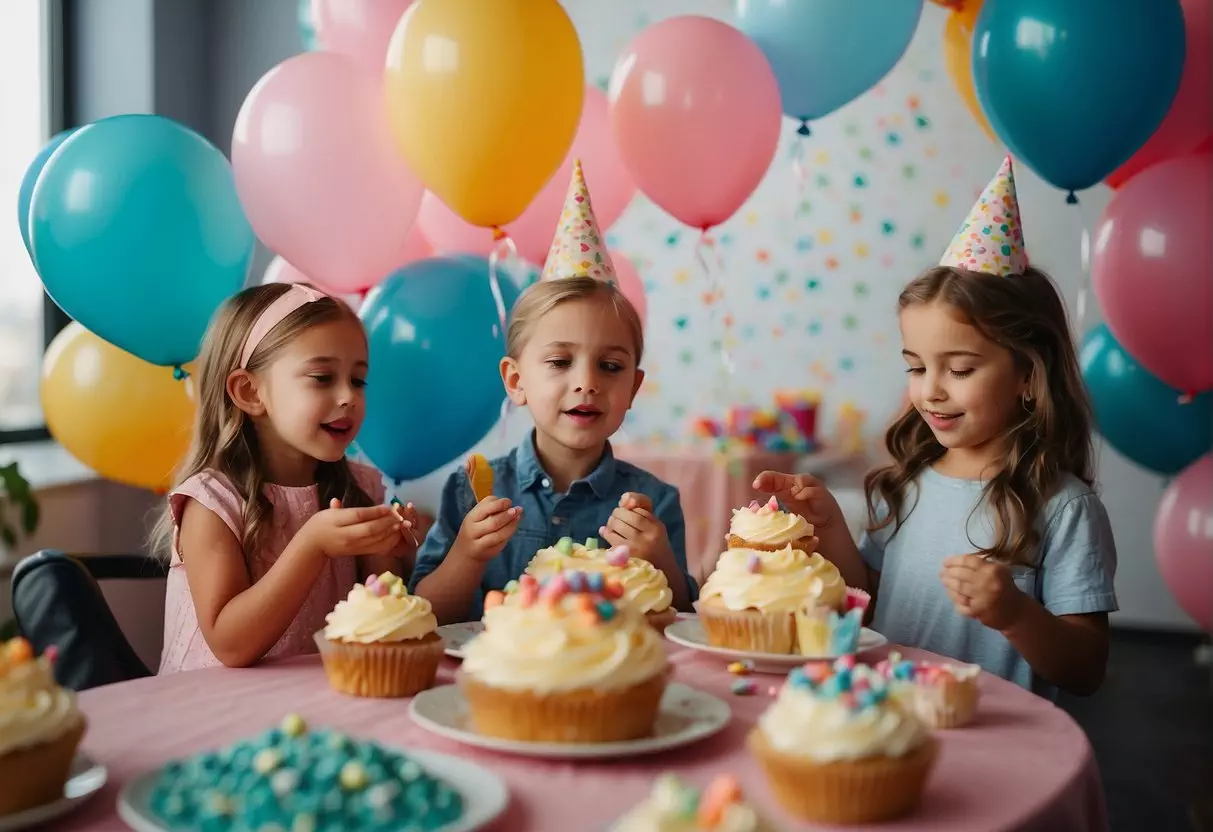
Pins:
x,y
503,248
718,308
800,169
1084,279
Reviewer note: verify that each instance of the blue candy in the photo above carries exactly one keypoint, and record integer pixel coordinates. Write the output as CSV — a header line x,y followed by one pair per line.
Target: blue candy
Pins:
x,y
606,610
594,581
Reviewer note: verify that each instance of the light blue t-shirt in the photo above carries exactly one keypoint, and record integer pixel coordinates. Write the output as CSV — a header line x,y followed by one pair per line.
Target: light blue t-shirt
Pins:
x,y
1072,574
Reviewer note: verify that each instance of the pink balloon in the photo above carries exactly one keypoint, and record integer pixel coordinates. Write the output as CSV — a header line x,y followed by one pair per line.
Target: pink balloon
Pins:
x,y
1190,119
611,189
1150,270
317,173
358,29
696,112
630,284
1183,540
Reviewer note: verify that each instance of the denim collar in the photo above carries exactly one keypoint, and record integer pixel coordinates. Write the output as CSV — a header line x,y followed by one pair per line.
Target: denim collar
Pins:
x,y
530,470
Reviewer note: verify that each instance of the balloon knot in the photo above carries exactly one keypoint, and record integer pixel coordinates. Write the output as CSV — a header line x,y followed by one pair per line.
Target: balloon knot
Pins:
x,y
499,234
1187,397
803,129
1071,198
179,373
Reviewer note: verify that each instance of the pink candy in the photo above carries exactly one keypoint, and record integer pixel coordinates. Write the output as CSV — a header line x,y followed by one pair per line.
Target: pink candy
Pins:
x,y
618,556
376,588
554,588
847,662
754,564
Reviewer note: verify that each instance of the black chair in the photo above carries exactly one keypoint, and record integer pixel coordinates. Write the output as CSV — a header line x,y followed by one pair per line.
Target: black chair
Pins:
x,y
57,601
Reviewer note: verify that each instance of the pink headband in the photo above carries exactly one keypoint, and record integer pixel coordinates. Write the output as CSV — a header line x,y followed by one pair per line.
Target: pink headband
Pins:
x,y
274,314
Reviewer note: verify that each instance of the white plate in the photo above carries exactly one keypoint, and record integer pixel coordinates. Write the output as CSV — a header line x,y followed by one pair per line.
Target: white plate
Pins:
x,y
85,778
689,633
458,635
484,794
686,716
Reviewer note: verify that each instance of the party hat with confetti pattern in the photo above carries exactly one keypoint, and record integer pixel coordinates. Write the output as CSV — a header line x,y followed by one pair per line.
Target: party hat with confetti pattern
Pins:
x,y
991,239
578,248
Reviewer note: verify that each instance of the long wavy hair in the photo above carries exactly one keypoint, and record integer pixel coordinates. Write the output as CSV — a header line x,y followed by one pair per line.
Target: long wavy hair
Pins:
x,y
1049,436
224,437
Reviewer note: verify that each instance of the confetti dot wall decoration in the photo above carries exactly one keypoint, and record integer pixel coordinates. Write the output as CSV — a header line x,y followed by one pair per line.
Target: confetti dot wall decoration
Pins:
x,y
805,277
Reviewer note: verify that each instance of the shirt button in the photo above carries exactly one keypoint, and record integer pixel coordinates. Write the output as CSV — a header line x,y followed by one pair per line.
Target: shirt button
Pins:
x,y
545,482
556,521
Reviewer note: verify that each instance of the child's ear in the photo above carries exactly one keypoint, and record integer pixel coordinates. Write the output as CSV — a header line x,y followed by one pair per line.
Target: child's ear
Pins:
x,y
636,385
512,379
242,390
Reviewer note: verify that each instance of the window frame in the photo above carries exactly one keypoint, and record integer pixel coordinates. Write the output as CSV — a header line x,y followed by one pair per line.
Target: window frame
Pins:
x,y
58,54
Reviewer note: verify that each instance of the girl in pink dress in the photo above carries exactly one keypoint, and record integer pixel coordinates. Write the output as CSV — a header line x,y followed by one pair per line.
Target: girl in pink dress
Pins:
x,y
269,524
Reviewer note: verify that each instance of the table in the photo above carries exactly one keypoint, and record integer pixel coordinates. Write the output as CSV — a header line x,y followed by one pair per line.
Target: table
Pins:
x,y
1023,765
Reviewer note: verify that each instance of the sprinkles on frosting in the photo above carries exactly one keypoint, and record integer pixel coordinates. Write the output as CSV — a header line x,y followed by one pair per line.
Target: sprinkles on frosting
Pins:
x,y
386,584
706,808
898,669
595,594
856,686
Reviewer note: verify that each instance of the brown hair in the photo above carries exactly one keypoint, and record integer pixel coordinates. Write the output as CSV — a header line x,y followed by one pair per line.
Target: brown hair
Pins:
x,y
224,438
1052,435
541,298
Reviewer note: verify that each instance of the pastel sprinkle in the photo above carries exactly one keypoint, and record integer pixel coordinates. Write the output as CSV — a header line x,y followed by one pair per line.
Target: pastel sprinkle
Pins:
x,y
575,580
591,543
618,556
510,586
294,725
613,589
565,545
594,582
606,610
744,687
754,564
353,776
493,598
741,668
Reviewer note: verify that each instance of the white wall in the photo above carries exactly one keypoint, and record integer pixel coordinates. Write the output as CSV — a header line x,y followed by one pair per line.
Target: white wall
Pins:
x,y
840,336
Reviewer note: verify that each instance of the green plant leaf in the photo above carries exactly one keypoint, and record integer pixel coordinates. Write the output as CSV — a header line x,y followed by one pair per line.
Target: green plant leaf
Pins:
x,y
9,536
31,513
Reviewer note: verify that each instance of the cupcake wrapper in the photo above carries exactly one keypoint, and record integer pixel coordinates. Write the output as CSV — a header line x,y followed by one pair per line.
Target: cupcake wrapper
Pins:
x,y
381,671
565,716
660,620
849,791
951,703
36,776
757,632
804,544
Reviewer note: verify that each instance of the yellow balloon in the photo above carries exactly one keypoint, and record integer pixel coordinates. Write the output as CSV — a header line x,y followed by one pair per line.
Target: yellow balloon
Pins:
x,y
484,99
128,420
958,60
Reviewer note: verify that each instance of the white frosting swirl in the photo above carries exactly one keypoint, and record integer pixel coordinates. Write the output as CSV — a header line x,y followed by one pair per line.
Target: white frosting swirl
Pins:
x,y
669,809
557,647
766,525
644,585
824,729
365,617
33,708
785,579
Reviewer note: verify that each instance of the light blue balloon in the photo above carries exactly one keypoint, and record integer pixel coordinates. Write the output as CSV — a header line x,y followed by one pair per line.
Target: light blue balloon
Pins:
x,y
434,388
138,234
1140,416
1075,87
826,53
25,193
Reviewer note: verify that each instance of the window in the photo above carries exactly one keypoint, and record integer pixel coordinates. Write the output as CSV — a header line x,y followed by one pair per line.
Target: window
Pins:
x,y
29,80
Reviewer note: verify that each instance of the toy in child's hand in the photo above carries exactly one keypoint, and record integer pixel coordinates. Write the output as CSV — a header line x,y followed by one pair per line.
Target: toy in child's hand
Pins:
x,y
480,475
399,508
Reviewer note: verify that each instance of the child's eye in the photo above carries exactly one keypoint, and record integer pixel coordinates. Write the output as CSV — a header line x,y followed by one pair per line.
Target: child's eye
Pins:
x,y
560,363
915,370
359,382
322,378
962,373
611,366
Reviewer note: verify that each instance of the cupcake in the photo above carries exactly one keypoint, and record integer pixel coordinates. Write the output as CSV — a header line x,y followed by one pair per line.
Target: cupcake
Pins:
x,y
562,662
294,778
675,806
823,632
40,728
749,602
380,641
943,694
837,748
645,587
766,526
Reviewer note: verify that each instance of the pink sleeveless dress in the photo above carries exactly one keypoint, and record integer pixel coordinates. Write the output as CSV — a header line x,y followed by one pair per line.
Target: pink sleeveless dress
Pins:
x,y
184,646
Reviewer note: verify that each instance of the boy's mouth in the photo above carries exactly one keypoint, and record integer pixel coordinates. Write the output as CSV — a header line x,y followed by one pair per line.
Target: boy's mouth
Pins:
x,y
583,414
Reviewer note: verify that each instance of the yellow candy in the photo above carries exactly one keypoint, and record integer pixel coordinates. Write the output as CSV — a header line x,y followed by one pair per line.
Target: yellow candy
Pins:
x,y
293,725
480,474
267,760
353,776
20,651
739,668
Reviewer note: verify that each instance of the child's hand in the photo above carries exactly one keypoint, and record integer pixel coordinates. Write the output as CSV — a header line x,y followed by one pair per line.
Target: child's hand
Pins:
x,y
487,528
340,532
633,525
982,589
804,495
410,523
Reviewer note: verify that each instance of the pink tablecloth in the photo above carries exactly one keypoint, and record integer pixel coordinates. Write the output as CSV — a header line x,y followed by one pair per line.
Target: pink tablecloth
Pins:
x,y
711,486
1023,765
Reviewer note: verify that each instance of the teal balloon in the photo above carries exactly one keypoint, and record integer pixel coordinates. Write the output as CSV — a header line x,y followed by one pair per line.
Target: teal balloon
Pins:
x,y
1140,416
434,388
138,234
1075,87
25,194
825,53
307,29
